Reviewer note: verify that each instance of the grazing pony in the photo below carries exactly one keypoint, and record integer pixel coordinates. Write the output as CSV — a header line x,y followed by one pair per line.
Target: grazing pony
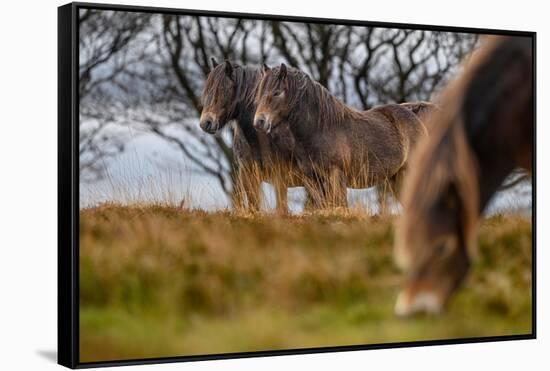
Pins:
x,y
482,132
335,145
228,95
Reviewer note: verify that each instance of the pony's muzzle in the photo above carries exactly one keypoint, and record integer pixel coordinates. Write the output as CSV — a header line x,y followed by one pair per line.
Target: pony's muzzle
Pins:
x,y
209,123
262,124
409,303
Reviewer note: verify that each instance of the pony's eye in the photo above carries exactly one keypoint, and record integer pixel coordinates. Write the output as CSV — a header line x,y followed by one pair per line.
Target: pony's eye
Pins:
x,y
277,93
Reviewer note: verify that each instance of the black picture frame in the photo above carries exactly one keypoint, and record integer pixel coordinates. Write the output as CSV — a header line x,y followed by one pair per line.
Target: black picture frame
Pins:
x,y
68,187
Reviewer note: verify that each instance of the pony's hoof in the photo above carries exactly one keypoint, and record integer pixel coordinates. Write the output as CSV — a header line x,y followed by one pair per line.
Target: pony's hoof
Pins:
x,y
408,304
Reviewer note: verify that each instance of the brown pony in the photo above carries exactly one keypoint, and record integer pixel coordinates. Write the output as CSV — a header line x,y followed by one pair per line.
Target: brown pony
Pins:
x,y
228,95
335,145
483,131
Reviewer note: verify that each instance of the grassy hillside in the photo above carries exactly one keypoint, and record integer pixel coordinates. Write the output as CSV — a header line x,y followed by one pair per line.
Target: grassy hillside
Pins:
x,y
157,281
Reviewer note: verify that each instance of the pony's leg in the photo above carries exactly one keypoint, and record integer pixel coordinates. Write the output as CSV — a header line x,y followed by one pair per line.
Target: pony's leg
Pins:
x,y
238,193
250,181
382,191
312,183
334,189
309,202
254,196
339,188
396,183
314,194
390,190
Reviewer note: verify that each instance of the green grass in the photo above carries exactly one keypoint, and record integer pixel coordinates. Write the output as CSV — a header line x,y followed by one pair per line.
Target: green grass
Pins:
x,y
157,281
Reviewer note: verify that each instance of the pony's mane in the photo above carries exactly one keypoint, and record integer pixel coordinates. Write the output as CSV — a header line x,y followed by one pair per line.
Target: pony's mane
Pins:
x,y
218,86
306,92
442,160
446,157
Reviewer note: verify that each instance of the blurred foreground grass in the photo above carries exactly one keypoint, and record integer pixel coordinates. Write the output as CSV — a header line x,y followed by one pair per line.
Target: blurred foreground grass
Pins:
x,y
158,281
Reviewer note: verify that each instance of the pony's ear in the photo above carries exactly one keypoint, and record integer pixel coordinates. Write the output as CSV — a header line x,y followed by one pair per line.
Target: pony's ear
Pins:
x,y
214,63
265,68
282,71
228,68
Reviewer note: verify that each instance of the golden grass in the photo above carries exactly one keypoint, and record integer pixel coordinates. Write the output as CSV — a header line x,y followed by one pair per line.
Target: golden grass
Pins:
x,y
280,176
162,281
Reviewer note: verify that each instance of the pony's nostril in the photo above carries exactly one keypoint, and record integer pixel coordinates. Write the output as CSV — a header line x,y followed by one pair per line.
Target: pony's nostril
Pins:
x,y
207,124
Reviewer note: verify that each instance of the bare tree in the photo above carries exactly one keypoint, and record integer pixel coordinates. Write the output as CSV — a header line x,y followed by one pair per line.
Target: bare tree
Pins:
x,y
369,66
106,59
149,71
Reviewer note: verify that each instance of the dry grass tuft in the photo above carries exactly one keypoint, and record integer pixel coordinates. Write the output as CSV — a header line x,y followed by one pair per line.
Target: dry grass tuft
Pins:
x,y
162,281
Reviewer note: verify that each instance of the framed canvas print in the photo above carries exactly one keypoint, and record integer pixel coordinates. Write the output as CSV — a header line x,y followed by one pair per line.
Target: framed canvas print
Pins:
x,y
236,185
